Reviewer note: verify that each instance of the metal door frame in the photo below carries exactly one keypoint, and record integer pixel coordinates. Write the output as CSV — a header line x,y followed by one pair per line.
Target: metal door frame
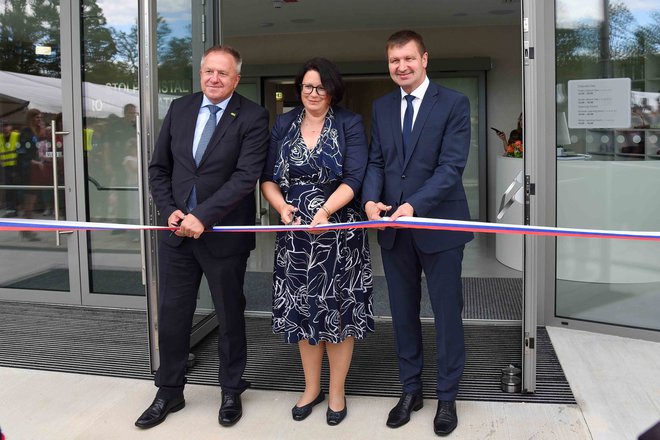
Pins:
x,y
537,32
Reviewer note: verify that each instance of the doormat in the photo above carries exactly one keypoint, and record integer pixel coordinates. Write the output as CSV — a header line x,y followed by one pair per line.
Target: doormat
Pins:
x,y
115,343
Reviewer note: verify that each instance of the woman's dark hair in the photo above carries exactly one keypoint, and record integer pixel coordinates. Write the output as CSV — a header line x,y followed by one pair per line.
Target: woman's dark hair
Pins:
x,y
330,78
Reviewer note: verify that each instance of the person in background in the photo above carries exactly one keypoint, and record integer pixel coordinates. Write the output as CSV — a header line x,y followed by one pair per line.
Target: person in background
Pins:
x,y
322,282
29,164
9,141
515,135
420,139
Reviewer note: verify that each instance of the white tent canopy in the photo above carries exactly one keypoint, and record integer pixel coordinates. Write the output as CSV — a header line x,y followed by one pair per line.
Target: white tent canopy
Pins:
x,y
45,94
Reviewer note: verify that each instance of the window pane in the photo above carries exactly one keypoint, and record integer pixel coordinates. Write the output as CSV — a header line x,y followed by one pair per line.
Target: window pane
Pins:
x,y
606,173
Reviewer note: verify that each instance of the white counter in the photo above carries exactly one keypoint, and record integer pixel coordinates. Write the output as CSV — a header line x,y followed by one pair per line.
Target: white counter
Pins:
x,y
608,195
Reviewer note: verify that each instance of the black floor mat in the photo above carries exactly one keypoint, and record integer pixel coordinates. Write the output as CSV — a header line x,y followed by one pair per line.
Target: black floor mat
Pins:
x,y
114,343
485,298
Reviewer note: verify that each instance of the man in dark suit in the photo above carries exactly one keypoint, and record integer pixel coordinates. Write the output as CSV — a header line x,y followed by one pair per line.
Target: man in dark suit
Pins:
x,y
206,162
420,140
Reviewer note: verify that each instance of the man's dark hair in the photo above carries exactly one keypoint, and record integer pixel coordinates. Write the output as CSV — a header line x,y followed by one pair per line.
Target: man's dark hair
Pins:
x,y
404,37
330,78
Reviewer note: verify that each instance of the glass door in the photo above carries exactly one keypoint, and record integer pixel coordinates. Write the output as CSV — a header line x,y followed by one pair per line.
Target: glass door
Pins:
x,y
608,168
37,153
69,110
111,261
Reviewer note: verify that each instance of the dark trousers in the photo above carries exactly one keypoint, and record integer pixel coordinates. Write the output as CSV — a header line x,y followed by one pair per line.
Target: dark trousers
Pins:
x,y
180,274
403,266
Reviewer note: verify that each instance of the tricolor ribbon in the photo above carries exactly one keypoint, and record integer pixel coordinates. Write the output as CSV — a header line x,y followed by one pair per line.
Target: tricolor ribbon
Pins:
x,y
401,222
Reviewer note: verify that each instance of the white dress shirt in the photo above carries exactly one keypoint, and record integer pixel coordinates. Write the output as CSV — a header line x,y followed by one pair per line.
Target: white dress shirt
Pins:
x,y
203,116
418,93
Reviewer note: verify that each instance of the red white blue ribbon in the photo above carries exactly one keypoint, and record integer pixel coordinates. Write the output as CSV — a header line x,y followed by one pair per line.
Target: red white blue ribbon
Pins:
x,y
402,222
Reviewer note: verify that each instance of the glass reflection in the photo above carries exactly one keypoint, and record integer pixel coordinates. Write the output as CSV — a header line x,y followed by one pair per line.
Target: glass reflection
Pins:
x,y
30,88
606,174
109,48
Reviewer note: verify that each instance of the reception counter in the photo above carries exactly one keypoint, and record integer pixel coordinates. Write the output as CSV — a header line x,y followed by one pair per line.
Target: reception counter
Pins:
x,y
608,195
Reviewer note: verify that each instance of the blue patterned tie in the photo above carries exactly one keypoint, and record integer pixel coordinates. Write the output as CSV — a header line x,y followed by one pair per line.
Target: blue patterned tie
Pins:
x,y
407,124
207,133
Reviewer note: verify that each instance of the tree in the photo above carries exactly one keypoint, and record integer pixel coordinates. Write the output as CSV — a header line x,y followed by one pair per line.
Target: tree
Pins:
x,y
127,43
24,25
98,46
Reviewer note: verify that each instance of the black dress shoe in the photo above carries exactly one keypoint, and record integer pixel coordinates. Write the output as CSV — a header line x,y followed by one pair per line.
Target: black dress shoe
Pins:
x,y
445,420
231,409
400,414
158,410
301,412
334,418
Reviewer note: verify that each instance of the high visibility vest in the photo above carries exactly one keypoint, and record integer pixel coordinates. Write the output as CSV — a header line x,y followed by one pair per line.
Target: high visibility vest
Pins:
x,y
8,149
88,134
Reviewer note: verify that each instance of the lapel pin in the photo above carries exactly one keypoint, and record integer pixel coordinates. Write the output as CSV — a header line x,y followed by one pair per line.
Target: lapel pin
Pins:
x,y
233,114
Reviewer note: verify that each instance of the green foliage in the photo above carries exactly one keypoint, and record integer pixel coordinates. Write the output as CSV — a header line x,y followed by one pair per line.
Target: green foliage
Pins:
x,y
108,54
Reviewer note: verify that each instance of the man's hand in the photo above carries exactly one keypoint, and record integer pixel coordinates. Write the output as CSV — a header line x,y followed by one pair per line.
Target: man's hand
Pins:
x,y
375,210
405,210
190,227
175,218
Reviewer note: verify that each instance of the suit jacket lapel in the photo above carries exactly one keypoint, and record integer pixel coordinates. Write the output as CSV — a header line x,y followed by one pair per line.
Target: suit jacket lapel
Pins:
x,y
227,118
430,98
395,122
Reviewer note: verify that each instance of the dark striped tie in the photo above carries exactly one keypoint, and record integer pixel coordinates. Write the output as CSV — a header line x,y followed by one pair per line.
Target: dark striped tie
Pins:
x,y
407,125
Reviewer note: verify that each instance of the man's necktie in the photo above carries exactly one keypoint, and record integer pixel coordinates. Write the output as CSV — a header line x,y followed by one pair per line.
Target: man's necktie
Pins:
x,y
207,133
407,124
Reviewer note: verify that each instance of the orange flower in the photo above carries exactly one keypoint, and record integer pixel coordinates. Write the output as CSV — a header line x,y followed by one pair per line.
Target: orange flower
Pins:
x,y
514,149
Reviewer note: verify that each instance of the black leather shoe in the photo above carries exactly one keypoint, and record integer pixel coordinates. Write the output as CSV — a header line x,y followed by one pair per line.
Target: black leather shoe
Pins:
x,y
231,409
445,420
334,418
301,412
158,410
400,414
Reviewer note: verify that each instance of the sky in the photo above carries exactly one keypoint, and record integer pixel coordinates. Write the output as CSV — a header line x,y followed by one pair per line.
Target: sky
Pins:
x,y
122,14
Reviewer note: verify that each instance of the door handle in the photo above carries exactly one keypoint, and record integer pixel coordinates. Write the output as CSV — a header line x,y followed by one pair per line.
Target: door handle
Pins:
x,y
56,193
143,254
509,197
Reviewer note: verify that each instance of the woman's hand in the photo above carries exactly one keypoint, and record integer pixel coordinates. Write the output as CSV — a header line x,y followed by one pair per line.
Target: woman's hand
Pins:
x,y
321,217
502,136
287,214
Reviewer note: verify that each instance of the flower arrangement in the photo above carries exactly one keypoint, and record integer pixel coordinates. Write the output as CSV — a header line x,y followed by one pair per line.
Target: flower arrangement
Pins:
x,y
514,149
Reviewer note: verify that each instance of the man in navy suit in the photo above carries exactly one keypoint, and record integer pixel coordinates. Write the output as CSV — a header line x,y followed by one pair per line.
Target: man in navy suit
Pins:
x,y
420,140
209,154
